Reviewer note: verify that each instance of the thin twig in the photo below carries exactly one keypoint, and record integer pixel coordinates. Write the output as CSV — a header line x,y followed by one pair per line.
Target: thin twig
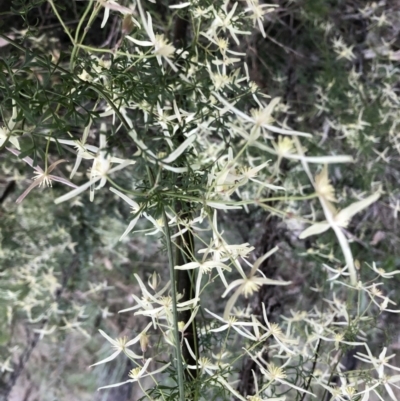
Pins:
x,y
312,370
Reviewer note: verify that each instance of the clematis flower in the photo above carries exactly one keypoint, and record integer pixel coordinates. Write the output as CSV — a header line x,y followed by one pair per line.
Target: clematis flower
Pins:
x,y
341,218
261,119
162,48
282,150
232,322
275,373
248,285
203,364
336,219
229,179
137,374
225,21
204,268
258,11
42,178
146,302
121,345
382,272
338,338
158,224
379,365
346,392
284,147
273,330
341,271
6,366
220,249
101,167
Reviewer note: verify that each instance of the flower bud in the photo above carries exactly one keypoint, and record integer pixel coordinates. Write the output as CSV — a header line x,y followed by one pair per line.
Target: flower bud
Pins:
x,y
154,281
144,342
127,25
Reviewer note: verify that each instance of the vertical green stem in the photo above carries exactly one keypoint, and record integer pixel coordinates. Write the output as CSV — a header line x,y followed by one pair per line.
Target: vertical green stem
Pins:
x,y
185,284
66,30
171,265
75,50
174,307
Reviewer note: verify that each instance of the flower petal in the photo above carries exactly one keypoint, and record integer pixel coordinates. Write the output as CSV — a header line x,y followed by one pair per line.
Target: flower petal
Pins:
x,y
128,200
27,190
316,228
139,42
115,385
110,358
76,191
108,338
105,18
188,266
63,181
271,128
260,260
180,149
130,227
181,5
345,215
132,355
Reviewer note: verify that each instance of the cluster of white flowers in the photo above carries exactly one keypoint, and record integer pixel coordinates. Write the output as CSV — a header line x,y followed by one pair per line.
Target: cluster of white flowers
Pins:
x,y
198,146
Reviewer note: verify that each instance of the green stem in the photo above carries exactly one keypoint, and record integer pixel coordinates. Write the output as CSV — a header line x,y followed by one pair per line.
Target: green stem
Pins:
x,y
174,307
173,294
75,50
61,22
333,372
